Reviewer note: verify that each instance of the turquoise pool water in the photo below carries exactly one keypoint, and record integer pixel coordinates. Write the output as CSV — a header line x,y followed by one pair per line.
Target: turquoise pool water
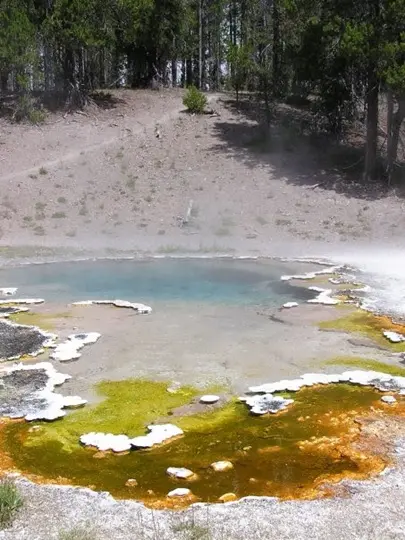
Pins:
x,y
159,280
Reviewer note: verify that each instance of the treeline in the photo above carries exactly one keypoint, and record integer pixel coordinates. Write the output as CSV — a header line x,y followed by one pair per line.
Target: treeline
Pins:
x,y
343,54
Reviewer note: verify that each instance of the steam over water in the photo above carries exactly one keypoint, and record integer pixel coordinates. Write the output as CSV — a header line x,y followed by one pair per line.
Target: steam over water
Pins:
x,y
384,271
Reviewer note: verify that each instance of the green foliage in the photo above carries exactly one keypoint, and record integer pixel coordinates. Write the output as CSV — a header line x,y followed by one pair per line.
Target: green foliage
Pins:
x,y
194,100
78,533
240,61
17,35
10,502
26,110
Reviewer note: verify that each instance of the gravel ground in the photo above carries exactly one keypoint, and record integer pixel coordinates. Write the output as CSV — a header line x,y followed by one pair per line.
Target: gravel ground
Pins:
x,y
17,341
106,183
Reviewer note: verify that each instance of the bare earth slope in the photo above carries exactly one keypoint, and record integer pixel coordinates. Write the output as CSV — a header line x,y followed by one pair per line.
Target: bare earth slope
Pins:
x,y
105,182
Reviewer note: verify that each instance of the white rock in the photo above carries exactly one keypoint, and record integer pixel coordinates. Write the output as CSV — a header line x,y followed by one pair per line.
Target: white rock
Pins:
x,y
324,297
139,308
267,403
179,492
23,301
388,399
209,399
13,310
179,472
73,401
69,349
50,404
289,305
106,441
8,291
158,433
222,466
394,337
376,379
174,387
312,275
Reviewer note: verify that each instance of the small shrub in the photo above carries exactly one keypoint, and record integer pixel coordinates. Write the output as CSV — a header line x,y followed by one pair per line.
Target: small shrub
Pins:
x,y
194,100
10,502
78,533
39,230
43,171
61,200
59,215
27,110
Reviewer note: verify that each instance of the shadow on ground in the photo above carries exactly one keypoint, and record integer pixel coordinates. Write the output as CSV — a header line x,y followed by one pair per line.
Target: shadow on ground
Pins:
x,y
293,148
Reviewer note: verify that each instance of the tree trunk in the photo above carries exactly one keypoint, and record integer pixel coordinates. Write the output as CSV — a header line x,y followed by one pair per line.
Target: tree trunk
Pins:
x,y
390,116
276,49
174,73
370,160
4,81
393,134
189,72
200,45
183,73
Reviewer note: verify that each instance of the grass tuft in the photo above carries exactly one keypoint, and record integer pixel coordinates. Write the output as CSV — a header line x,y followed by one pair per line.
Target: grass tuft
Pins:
x,y
10,502
78,533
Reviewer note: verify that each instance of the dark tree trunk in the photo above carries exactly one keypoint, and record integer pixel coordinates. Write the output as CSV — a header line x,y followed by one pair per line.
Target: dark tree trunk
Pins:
x,y
370,159
277,83
394,128
183,73
174,73
4,81
189,72
69,67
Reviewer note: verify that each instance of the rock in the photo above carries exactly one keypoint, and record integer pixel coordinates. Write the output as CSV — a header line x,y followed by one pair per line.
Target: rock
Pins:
x,y
289,305
174,387
8,291
393,337
106,441
23,301
131,482
159,433
228,497
376,379
209,399
313,275
267,403
17,340
69,349
139,308
122,443
222,466
388,399
324,297
6,311
179,492
29,392
180,472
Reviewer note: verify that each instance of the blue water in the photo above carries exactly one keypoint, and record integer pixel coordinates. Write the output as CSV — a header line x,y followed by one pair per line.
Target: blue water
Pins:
x,y
222,281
